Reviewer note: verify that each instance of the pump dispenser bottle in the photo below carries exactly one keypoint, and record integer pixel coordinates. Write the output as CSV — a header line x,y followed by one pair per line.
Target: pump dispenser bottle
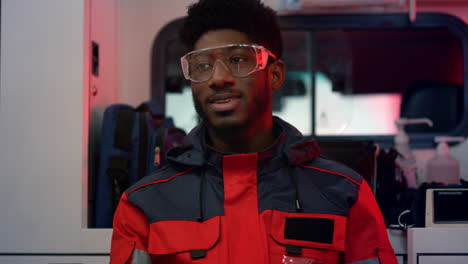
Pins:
x,y
443,168
406,161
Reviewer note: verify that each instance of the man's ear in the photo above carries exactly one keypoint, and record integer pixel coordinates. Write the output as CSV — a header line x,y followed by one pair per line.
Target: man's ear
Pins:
x,y
276,74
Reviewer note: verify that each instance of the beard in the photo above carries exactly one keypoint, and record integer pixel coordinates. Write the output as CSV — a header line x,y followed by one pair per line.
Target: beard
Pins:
x,y
231,127
224,128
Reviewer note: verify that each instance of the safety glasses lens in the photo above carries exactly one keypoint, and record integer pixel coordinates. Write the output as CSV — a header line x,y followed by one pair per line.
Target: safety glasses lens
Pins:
x,y
239,60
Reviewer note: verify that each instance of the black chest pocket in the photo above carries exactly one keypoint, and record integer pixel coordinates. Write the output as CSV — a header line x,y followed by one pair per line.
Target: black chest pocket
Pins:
x,y
306,238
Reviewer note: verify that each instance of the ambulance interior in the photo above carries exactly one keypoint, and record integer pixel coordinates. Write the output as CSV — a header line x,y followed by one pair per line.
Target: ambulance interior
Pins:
x,y
349,77
337,74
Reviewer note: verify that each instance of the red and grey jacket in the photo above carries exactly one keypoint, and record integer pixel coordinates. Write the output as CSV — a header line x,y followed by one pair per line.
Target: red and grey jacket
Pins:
x,y
282,205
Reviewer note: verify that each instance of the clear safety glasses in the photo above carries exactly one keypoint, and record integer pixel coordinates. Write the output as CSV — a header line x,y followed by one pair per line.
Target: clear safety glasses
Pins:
x,y
240,60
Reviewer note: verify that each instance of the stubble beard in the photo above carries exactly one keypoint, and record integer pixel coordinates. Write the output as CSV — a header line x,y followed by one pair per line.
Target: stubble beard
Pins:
x,y
224,129
230,129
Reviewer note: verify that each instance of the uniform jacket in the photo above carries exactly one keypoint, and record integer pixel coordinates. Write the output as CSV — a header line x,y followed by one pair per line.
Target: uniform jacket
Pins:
x,y
285,204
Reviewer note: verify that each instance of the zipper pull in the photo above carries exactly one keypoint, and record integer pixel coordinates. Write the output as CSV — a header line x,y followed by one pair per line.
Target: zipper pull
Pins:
x,y
157,156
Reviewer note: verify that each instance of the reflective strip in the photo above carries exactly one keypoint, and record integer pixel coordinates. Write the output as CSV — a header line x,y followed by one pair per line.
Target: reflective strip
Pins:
x,y
141,257
367,261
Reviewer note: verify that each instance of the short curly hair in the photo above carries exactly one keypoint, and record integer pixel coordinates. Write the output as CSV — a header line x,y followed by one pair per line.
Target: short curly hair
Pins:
x,y
251,17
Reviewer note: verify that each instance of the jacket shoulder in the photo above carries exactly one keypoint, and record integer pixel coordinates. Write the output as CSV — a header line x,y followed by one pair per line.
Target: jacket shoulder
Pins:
x,y
160,176
333,167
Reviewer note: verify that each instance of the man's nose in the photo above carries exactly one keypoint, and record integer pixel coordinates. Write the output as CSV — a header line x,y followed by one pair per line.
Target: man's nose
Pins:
x,y
221,76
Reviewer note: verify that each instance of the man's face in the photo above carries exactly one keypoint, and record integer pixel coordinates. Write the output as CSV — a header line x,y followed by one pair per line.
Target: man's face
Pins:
x,y
225,102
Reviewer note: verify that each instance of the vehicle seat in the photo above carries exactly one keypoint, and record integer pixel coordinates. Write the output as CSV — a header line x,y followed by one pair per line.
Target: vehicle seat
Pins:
x,y
442,103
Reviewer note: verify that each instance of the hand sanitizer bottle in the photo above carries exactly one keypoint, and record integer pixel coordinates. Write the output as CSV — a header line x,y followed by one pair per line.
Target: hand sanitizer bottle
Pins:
x,y
443,168
406,161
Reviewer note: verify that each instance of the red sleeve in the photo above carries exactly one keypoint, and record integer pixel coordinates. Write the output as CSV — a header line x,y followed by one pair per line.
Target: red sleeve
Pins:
x,y
366,233
130,234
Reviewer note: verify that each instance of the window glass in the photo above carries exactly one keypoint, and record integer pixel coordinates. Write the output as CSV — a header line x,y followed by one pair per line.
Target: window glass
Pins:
x,y
339,114
370,78
293,101
354,82
180,107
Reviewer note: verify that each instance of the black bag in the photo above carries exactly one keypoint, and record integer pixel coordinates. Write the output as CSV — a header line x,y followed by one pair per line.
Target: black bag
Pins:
x,y
133,144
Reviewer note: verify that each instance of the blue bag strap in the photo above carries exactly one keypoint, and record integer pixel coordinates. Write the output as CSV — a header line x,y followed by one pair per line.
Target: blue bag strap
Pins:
x,y
123,129
143,145
119,166
118,171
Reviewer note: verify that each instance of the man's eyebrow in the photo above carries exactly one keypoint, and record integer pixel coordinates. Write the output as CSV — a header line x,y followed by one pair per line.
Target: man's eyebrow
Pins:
x,y
208,53
201,54
236,48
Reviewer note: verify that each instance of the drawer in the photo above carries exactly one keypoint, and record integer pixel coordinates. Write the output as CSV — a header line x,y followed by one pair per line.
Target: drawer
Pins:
x,y
401,259
445,259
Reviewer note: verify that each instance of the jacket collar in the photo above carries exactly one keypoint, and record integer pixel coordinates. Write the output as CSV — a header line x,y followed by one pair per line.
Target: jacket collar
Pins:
x,y
290,144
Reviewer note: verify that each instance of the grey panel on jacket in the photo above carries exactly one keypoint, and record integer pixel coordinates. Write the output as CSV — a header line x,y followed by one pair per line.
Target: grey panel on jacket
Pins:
x,y
178,198
141,257
319,191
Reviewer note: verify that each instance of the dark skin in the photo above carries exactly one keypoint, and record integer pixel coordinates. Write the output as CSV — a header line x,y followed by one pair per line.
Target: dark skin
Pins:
x,y
237,111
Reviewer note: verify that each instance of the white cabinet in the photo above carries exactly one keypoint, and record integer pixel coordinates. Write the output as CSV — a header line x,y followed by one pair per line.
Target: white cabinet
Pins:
x,y
398,240
438,245
401,259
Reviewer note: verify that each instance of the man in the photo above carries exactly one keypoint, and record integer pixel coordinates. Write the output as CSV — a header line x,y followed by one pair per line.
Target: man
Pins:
x,y
246,187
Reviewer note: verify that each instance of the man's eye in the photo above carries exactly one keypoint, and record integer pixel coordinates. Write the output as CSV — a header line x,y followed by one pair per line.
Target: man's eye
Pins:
x,y
237,59
202,66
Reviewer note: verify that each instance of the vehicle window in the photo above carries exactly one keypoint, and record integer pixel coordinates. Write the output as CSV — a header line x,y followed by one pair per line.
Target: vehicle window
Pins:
x,y
343,80
371,71
360,77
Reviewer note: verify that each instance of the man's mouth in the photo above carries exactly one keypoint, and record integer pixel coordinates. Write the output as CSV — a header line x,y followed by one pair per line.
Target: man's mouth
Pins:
x,y
224,102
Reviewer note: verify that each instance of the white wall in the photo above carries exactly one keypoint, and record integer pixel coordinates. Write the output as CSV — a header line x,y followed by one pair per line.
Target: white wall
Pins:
x,y
41,105
458,8
140,22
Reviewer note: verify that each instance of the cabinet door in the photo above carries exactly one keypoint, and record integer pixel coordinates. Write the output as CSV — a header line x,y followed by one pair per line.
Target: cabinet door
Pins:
x,y
445,259
54,259
401,259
